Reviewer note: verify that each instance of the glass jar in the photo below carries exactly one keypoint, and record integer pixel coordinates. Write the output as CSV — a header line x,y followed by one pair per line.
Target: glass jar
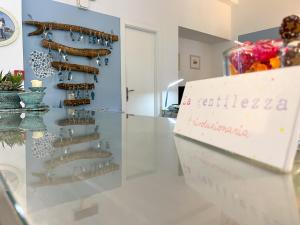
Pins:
x,y
253,57
291,54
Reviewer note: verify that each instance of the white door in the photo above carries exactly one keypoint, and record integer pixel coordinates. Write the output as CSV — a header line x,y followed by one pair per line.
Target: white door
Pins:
x,y
140,64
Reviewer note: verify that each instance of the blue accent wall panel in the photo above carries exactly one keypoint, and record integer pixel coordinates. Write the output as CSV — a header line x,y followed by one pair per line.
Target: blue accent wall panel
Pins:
x,y
272,33
108,89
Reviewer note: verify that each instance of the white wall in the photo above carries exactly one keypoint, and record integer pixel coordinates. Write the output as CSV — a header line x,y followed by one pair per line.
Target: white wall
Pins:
x,y
213,17
217,56
255,15
11,56
211,55
210,17
190,47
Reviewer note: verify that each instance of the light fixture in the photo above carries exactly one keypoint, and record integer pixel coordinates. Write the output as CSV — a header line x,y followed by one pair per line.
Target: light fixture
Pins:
x,y
83,4
230,2
169,86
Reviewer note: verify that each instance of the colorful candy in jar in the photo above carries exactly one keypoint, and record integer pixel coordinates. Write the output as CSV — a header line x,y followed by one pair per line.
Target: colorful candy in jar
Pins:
x,y
254,57
242,59
264,50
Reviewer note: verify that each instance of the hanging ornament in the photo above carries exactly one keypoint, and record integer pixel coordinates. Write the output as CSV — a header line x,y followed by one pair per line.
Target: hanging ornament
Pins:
x,y
98,60
106,42
78,94
81,36
102,40
50,55
45,32
70,75
60,104
94,40
95,78
106,61
65,55
96,129
72,35
93,95
99,145
60,75
90,38
50,34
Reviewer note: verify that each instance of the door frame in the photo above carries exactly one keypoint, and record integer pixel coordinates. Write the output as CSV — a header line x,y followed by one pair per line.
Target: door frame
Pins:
x,y
143,28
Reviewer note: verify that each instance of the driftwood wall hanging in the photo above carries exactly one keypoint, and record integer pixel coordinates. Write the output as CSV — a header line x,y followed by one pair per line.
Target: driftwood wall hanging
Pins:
x,y
90,153
64,142
76,121
42,26
76,102
88,173
82,86
75,67
84,52
81,93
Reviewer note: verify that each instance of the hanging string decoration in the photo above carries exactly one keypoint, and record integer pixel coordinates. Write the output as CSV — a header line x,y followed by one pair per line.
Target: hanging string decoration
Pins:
x,y
41,64
42,147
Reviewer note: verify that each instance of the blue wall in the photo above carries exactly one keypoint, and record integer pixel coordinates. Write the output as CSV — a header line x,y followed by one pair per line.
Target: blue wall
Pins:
x,y
108,90
272,33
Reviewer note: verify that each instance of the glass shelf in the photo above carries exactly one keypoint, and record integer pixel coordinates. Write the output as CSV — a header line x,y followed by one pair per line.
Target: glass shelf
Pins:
x,y
133,171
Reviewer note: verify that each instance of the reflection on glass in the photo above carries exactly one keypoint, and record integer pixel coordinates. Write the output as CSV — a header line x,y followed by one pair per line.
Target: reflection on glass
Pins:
x,y
244,192
69,157
10,133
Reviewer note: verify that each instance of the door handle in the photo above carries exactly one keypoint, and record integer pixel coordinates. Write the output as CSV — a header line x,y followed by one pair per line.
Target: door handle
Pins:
x,y
127,93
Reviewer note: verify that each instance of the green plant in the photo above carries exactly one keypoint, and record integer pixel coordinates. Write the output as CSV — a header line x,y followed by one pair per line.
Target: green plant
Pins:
x,y
11,82
12,138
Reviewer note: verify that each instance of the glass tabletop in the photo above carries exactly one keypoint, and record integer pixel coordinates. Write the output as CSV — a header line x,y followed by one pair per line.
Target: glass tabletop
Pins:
x,y
98,168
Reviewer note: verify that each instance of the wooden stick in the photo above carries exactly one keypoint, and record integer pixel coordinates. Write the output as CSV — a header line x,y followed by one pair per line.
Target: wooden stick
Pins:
x,y
85,52
64,142
75,67
86,154
44,180
81,86
76,121
41,26
77,102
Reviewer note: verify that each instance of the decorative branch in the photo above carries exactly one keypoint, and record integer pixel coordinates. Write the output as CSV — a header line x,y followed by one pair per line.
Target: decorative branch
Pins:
x,y
64,142
75,67
85,52
77,102
82,86
86,154
76,121
41,26
45,180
